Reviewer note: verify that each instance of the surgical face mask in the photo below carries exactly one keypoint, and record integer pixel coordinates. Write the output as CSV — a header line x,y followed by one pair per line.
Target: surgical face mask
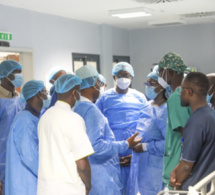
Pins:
x,y
162,82
102,90
46,102
123,83
98,91
18,80
209,97
150,92
168,91
77,101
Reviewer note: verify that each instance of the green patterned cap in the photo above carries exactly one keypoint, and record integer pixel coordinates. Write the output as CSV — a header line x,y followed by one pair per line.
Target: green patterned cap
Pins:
x,y
174,62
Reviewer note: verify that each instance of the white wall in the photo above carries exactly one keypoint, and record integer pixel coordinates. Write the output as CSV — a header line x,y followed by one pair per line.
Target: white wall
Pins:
x,y
195,44
53,39
120,42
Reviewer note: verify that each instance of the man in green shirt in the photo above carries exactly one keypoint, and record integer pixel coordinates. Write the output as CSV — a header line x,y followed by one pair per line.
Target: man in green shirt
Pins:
x,y
171,72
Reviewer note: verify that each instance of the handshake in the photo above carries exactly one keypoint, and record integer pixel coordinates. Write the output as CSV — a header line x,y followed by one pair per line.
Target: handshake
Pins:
x,y
134,140
134,143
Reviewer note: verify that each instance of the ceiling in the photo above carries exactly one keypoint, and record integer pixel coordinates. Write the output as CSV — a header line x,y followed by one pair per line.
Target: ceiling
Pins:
x,y
97,11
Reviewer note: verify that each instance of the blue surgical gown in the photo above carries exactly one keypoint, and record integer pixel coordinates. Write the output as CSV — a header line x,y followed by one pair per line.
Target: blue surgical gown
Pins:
x,y
146,167
53,97
105,169
22,156
122,112
9,107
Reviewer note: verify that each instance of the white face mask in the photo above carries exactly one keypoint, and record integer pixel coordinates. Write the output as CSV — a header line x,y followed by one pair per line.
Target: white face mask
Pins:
x,y
123,83
162,82
102,90
98,91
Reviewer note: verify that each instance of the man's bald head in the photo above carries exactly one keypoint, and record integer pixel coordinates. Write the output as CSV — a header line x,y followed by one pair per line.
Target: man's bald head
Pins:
x,y
199,83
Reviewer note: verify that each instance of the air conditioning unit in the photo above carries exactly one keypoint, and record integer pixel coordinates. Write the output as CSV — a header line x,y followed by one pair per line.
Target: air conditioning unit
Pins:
x,y
166,22
199,15
155,1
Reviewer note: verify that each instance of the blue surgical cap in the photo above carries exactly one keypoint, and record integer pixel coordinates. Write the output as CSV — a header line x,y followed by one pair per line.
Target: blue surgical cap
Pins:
x,y
124,66
54,71
89,76
102,79
66,83
155,69
153,75
8,66
31,88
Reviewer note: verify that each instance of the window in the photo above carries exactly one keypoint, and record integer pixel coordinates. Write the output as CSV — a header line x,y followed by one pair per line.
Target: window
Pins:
x,y
80,60
117,59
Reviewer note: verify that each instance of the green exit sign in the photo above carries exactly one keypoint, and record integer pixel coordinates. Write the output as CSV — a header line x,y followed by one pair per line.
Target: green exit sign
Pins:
x,y
5,36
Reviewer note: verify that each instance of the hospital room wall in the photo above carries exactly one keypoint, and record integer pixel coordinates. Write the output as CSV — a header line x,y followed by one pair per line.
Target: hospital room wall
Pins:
x,y
54,38
195,43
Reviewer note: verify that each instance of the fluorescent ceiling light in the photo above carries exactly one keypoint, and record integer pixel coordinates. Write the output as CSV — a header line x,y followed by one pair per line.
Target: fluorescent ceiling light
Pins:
x,y
129,13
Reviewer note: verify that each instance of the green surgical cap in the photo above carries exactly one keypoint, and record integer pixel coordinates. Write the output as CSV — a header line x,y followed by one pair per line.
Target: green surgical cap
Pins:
x,y
31,88
8,66
174,62
66,82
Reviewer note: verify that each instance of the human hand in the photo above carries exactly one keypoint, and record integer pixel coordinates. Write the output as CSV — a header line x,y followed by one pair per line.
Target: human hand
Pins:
x,y
138,148
173,182
125,160
1,193
134,140
87,191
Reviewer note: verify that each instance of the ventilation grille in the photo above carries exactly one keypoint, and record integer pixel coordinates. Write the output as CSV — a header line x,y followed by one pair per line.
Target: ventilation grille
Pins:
x,y
199,15
167,22
155,1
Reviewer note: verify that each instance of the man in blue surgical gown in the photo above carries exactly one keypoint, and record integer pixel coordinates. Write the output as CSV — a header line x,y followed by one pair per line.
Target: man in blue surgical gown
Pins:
x,y
105,169
22,143
147,160
55,73
10,105
122,105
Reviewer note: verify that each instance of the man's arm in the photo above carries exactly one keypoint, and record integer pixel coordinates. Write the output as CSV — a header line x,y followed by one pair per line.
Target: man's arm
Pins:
x,y
181,130
180,173
0,189
84,172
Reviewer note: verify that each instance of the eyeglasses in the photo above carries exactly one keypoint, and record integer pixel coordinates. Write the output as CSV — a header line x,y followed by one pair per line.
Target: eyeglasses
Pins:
x,y
150,83
45,92
123,76
99,83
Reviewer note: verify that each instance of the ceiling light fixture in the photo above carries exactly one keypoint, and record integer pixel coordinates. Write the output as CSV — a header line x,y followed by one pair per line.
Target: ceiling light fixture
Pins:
x,y
130,13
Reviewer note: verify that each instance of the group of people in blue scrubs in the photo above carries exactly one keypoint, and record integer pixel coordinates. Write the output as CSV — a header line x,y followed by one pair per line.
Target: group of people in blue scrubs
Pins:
x,y
111,124
126,129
